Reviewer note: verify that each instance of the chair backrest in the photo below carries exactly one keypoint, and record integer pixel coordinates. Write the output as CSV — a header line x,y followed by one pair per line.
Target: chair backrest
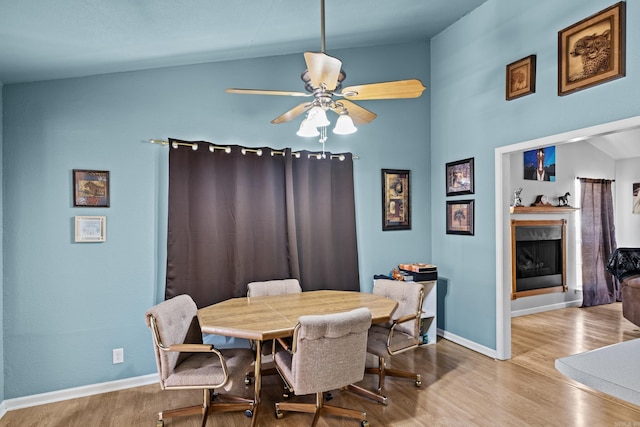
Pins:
x,y
173,321
409,296
330,350
273,287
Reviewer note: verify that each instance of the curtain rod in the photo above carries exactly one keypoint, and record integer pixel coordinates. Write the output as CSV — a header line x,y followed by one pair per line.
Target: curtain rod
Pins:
x,y
258,151
612,180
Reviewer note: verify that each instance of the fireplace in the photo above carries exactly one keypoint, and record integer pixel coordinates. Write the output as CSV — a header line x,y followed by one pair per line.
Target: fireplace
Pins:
x,y
538,253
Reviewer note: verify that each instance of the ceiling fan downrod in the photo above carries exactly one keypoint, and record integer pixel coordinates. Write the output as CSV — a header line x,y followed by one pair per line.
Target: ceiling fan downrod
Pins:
x,y
322,46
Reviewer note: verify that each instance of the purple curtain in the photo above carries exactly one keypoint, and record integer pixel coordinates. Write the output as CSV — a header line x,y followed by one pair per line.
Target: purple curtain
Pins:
x,y
235,218
598,243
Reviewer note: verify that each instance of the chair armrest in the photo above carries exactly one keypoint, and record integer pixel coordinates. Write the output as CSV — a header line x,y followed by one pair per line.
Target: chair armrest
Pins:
x,y
202,348
403,319
191,348
284,344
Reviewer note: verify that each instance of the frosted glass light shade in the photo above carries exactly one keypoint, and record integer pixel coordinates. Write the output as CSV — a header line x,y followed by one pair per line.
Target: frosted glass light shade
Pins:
x,y
344,125
307,129
318,117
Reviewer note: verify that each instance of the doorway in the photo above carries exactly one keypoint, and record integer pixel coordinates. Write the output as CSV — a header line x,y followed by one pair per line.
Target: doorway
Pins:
x,y
502,216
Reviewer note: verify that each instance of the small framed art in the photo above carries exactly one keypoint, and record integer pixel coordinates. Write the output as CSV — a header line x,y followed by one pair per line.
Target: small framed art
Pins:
x,y
459,177
521,77
592,51
90,188
396,200
460,217
91,228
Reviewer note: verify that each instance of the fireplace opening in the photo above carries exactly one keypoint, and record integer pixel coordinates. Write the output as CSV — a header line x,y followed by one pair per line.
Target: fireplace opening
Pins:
x,y
538,257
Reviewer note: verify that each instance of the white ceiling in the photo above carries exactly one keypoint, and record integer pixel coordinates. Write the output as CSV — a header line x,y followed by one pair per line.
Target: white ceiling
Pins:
x,y
619,145
46,39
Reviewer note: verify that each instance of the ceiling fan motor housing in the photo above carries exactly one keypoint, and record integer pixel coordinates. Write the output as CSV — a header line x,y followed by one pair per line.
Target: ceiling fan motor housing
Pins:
x,y
306,78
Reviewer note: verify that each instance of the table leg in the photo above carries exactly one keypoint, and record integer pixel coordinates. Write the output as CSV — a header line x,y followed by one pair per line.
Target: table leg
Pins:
x,y
257,383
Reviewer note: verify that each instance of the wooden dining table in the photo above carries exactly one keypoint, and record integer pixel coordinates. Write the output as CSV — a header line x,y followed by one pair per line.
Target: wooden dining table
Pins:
x,y
268,317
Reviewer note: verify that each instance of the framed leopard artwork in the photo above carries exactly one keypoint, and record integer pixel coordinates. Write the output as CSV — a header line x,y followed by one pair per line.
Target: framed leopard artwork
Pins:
x,y
592,51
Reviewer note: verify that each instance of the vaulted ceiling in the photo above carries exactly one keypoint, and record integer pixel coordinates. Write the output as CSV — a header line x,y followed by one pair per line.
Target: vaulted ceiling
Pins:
x,y
44,40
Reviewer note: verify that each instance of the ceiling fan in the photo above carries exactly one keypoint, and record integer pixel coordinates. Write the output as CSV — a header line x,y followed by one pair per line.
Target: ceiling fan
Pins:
x,y
323,83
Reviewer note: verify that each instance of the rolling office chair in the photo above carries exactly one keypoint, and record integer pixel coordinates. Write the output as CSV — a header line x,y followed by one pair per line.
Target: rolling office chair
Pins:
x,y
184,362
270,288
399,335
328,352
273,287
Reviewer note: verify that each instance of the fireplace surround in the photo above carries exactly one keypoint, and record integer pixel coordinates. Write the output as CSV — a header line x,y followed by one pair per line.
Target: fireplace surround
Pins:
x,y
538,257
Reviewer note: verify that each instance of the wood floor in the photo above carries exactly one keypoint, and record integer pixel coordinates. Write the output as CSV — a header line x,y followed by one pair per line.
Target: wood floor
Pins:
x,y
459,387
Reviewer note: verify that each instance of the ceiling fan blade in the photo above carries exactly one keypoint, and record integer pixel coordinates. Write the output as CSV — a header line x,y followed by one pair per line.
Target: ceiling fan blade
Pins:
x,y
293,113
358,114
388,90
265,92
324,70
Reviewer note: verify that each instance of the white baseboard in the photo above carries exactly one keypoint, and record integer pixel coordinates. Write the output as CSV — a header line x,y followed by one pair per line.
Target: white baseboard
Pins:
x,y
74,393
471,345
540,309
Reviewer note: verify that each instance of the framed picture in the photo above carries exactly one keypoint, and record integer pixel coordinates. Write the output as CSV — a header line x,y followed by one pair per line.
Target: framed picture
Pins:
x,y
521,77
592,51
396,200
636,198
459,177
91,228
460,217
540,164
90,188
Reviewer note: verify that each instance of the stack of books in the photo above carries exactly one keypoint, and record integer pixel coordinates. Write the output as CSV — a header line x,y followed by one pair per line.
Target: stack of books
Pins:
x,y
419,272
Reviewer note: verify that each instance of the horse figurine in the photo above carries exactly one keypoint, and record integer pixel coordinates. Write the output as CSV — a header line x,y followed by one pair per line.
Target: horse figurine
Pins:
x,y
564,200
517,200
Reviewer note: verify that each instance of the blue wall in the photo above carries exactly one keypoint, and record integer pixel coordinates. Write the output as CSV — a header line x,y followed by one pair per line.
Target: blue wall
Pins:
x,y
1,259
470,118
67,305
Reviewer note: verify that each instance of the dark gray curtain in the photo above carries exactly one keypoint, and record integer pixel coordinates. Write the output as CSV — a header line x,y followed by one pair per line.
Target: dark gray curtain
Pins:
x,y
236,218
598,242
325,221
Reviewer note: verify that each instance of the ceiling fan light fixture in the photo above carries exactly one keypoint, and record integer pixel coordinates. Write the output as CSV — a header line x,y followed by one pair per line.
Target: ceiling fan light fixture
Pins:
x,y
307,129
344,125
317,117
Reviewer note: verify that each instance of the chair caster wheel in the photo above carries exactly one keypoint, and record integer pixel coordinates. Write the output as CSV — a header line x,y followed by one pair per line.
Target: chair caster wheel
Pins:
x,y
418,383
279,415
328,396
247,380
364,423
160,423
248,413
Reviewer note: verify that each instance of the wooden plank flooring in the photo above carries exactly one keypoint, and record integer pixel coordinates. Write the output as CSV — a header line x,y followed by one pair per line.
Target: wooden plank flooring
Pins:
x,y
459,387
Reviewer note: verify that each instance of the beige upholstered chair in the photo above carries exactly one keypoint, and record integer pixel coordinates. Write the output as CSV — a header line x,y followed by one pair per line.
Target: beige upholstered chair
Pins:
x,y
328,352
270,288
273,287
399,335
184,362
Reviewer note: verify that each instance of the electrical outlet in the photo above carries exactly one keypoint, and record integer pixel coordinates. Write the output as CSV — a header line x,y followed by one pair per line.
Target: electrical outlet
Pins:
x,y
118,355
